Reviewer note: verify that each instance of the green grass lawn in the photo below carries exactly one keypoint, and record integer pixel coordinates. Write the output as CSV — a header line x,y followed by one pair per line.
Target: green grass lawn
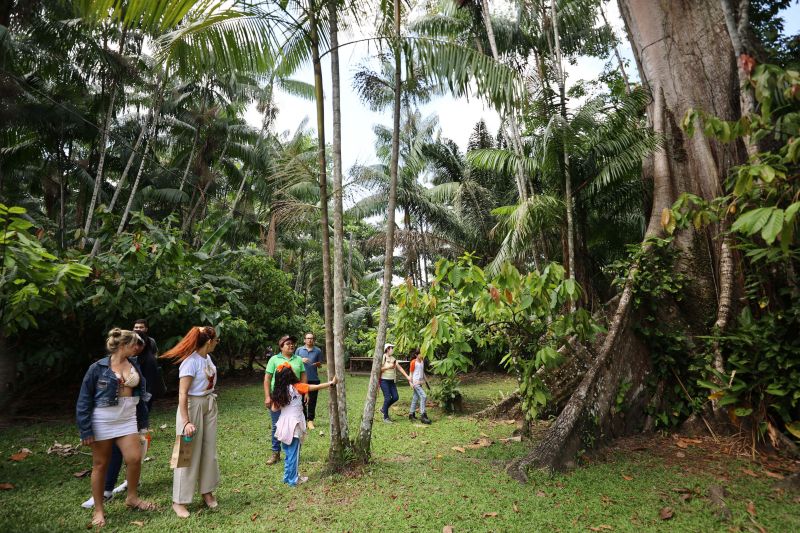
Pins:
x,y
416,481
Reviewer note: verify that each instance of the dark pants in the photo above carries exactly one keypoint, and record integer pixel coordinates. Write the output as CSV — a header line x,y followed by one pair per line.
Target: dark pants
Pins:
x,y
115,464
310,409
390,395
276,444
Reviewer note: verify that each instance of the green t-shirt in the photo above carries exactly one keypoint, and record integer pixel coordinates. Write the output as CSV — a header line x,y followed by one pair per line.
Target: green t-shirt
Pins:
x,y
275,361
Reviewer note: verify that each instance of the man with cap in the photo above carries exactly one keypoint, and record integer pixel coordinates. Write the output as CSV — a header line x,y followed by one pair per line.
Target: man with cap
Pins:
x,y
286,345
389,365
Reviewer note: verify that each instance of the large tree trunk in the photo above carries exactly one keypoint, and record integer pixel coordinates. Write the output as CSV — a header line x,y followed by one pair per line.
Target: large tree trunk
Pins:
x,y
363,443
339,428
685,59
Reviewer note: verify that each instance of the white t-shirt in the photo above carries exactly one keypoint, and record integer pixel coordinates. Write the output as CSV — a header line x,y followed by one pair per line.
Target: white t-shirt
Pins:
x,y
202,371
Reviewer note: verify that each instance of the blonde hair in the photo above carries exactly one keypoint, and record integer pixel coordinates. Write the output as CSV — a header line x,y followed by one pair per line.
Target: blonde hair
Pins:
x,y
118,338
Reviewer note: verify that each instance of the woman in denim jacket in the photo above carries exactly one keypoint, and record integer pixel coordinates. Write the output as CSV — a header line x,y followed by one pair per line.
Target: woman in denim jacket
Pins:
x,y
111,409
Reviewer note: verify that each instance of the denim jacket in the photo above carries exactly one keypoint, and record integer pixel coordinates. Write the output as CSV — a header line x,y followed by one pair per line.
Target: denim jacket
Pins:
x,y
100,388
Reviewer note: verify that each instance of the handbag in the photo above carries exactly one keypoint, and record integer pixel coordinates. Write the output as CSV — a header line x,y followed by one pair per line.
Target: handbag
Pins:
x,y
182,450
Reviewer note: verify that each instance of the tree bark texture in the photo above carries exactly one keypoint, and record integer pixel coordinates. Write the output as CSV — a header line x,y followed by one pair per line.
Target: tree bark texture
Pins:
x,y
363,443
686,60
323,183
340,434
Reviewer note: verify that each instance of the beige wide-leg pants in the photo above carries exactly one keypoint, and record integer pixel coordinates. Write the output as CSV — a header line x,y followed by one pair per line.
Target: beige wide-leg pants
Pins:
x,y
204,469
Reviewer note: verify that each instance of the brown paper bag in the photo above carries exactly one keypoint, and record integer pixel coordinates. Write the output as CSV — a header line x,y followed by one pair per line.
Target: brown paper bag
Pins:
x,y
181,452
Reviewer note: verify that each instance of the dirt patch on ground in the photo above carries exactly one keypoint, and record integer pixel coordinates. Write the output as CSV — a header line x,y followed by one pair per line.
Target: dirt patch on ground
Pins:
x,y
700,455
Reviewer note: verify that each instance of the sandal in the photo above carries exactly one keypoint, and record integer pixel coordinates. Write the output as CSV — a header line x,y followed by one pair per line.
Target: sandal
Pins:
x,y
141,505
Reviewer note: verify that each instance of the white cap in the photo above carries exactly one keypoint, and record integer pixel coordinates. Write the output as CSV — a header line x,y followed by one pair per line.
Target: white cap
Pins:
x,y
387,346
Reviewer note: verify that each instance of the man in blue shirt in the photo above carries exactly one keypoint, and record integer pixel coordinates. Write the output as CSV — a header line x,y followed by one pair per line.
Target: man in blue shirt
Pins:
x,y
312,358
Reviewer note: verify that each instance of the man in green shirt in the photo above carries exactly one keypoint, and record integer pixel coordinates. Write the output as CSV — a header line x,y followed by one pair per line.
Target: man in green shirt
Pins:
x,y
286,345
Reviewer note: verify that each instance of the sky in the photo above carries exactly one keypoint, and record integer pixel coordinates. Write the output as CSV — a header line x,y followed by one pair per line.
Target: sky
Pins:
x,y
457,116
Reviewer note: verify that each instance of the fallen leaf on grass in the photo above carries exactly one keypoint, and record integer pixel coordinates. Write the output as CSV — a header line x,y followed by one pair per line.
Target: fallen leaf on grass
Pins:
x,y
540,494
489,515
62,450
601,527
138,523
458,449
6,486
517,438
515,507
749,472
773,475
163,426
480,443
237,491
510,421
665,513
680,455
82,473
606,500
21,455
253,517
681,444
627,478
751,509
447,529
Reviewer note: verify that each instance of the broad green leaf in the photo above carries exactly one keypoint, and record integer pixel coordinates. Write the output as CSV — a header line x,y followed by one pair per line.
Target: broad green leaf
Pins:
x,y
773,226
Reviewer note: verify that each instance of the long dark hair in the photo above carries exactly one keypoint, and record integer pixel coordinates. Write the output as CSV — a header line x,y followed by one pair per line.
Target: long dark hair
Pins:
x,y
283,378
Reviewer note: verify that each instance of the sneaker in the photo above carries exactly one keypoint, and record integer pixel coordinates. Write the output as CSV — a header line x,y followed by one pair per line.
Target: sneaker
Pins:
x,y
412,417
274,458
89,504
302,479
424,419
122,488
388,420
310,424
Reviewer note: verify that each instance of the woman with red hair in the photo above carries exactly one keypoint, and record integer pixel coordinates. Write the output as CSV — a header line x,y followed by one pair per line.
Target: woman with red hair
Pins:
x,y
196,417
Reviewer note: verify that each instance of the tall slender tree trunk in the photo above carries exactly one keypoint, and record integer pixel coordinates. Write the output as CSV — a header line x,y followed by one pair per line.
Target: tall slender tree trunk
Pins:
x,y
516,137
153,125
364,441
567,178
617,55
339,395
327,284
98,180
678,46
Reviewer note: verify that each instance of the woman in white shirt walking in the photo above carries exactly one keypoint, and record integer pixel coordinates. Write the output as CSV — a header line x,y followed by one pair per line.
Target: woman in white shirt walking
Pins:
x,y
196,417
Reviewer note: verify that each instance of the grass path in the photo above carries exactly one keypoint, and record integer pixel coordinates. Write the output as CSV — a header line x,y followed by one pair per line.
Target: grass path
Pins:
x,y
417,482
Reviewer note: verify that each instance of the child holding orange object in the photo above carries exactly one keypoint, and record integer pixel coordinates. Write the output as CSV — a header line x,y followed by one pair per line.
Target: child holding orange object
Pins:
x,y
287,397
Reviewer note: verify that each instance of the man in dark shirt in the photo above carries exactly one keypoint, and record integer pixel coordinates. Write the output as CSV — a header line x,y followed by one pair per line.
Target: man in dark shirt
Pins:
x,y
155,386
312,358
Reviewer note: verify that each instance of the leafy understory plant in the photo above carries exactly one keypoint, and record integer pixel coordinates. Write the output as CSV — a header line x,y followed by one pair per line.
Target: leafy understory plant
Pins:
x,y
464,313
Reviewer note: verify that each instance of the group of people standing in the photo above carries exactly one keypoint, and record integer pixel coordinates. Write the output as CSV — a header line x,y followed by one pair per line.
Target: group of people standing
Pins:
x,y
118,390
113,412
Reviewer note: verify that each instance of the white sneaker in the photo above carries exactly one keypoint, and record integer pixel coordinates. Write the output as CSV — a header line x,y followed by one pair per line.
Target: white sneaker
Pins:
x,y
302,479
122,488
89,504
